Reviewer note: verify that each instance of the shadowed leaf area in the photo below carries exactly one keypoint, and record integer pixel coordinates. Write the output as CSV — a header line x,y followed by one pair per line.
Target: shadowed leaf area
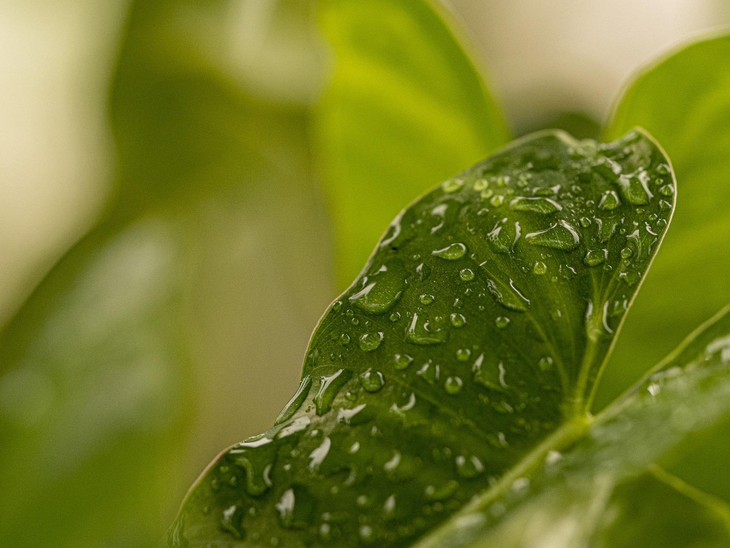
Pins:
x,y
464,355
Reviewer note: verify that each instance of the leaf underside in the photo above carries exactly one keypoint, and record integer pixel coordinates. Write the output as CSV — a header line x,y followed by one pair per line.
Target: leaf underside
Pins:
x,y
466,351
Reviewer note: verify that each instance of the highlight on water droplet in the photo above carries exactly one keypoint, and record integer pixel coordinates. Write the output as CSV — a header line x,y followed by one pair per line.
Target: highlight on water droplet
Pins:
x,y
370,341
560,235
451,252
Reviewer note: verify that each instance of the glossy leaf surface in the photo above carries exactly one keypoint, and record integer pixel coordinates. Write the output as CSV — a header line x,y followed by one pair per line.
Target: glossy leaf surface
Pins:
x,y
405,109
684,101
471,342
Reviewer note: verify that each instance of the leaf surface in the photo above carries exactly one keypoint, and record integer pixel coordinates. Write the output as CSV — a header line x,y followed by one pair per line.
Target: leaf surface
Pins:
x,y
405,109
605,490
468,348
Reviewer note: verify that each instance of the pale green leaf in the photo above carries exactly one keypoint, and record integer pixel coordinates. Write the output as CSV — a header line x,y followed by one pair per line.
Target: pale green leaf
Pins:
x,y
405,109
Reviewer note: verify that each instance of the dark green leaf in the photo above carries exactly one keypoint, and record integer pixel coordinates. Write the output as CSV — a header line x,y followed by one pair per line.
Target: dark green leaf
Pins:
x,y
466,350
405,109
684,101
604,490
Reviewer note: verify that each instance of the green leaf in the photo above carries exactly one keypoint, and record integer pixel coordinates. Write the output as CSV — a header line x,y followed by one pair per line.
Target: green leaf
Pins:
x,y
605,490
684,101
405,109
466,350
118,355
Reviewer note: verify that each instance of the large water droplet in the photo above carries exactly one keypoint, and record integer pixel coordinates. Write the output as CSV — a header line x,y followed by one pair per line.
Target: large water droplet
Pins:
x,y
544,206
504,236
370,341
609,201
634,188
561,235
383,289
451,252
372,380
296,401
507,295
422,332
329,387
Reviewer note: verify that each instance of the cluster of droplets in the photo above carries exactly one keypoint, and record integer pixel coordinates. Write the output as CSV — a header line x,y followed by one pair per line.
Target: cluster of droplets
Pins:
x,y
415,324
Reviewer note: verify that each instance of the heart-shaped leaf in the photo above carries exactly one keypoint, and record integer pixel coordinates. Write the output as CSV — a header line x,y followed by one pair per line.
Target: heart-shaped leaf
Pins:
x,y
467,349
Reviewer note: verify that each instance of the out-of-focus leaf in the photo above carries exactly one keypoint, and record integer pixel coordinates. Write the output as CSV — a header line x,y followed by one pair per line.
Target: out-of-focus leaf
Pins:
x,y
684,101
467,349
405,109
135,344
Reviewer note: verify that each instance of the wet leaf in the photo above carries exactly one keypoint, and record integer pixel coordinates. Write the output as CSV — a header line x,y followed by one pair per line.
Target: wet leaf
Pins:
x,y
684,101
465,353
405,109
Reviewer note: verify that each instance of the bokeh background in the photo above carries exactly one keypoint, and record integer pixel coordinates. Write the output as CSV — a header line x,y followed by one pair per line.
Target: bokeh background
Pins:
x,y
228,213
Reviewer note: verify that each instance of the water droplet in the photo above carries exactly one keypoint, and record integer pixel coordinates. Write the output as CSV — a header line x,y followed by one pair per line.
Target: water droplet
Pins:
x,y
463,354
609,201
501,322
402,361
383,290
453,385
466,274
666,190
371,380
316,457
344,339
496,200
423,271
367,535
232,521
354,416
443,492
426,299
560,235
594,257
370,341
451,252
296,401
544,206
469,467
295,508
508,295
504,236
626,253
539,268
429,372
422,332
545,363
452,185
489,376
329,387
634,188
457,320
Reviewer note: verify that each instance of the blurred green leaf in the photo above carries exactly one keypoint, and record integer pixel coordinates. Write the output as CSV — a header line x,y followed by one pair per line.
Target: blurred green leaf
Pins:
x,y
684,101
405,109
466,350
123,373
